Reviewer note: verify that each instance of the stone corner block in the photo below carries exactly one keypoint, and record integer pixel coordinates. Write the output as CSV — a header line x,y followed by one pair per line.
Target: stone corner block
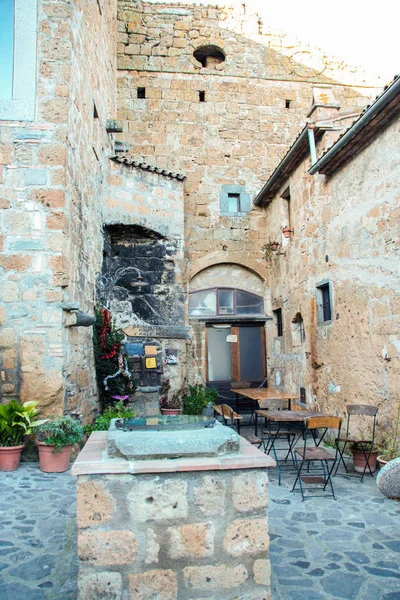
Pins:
x,y
94,505
93,586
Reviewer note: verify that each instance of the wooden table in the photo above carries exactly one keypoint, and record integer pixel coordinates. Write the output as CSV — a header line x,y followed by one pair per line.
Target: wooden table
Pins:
x,y
264,396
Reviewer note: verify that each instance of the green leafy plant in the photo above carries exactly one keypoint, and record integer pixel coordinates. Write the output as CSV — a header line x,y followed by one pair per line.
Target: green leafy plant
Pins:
x,y
390,448
102,422
16,421
59,433
197,398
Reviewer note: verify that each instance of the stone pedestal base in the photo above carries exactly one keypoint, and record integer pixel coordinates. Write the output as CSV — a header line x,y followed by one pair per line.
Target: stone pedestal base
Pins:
x,y
146,403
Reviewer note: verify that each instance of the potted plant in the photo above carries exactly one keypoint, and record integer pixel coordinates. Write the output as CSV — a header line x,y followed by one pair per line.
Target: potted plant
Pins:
x,y
390,448
54,440
361,451
16,421
170,405
197,398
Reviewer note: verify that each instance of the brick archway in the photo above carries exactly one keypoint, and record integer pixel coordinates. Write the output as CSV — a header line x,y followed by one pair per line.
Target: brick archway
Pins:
x,y
220,257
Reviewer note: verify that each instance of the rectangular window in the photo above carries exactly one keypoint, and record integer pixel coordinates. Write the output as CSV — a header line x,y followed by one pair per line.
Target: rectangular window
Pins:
x,y
141,93
6,49
233,203
278,322
18,32
324,300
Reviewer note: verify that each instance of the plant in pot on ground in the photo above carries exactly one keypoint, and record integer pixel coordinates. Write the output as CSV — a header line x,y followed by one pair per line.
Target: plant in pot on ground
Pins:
x,y
16,421
55,439
198,398
170,405
390,446
102,422
361,451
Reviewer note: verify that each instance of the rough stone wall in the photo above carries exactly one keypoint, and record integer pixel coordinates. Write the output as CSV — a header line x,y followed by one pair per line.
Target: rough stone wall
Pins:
x,y
241,130
190,535
346,232
50,178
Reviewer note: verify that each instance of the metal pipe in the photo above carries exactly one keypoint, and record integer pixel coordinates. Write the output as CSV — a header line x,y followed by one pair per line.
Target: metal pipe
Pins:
x,y
358,126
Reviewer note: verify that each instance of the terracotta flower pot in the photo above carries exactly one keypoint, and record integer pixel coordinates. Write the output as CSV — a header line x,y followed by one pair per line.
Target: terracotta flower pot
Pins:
x,y
381,461
359,461
171,411
53,463
286,232
10,457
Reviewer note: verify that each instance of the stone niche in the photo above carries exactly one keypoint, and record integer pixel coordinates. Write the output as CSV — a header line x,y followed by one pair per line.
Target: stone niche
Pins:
x,y
148,302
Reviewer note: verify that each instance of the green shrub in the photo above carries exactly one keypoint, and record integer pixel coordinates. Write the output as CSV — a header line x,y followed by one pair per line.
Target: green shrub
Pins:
x,y
60,432
197,398
102,423
16,421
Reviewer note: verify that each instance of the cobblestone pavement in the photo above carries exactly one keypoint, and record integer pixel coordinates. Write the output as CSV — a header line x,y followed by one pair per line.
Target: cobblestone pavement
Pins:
x,y
37,535
320,549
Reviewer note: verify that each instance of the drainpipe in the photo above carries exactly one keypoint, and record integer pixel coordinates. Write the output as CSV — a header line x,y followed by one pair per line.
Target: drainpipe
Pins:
x,y
311,141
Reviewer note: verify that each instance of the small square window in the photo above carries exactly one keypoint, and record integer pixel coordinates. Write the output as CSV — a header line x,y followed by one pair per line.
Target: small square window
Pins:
x,y
278,321
234,200
141,93
233,203
324,300
202,96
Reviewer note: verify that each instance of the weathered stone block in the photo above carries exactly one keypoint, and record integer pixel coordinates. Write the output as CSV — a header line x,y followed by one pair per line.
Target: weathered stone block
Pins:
x,y
154,500
100,586
160,584
94,506
35,176
209,496
7,337
107,548
262,572
256,496
50,198
246,536
212,577
15,262
195,540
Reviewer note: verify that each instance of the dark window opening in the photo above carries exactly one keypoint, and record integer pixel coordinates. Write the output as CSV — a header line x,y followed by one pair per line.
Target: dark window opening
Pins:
x,y
209,56
288,103
278,322
141,93
302,395
202,96
95,113
325,302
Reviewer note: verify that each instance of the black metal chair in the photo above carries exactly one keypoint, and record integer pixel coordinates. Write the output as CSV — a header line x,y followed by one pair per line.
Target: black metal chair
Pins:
x,y
315,464
364,443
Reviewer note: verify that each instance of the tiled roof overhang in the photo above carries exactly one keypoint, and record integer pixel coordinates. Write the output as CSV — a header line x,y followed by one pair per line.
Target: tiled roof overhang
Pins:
x,y
126,160
364,129
297,152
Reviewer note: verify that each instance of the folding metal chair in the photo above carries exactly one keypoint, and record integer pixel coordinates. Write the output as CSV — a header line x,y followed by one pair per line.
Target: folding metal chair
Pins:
x,y
365,445
315,465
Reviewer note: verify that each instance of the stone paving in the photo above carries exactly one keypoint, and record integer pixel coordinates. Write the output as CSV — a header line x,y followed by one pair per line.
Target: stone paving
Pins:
x,y
320,549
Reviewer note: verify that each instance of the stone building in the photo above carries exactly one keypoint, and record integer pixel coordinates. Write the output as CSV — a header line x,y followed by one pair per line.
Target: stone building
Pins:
x,y
134,163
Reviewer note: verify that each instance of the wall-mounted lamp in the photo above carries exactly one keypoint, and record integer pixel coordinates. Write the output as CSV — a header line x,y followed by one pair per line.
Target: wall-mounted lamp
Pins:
x,y
139,282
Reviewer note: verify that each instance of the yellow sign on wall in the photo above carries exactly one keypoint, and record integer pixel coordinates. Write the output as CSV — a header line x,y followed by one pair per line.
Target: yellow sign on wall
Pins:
x,y
151,363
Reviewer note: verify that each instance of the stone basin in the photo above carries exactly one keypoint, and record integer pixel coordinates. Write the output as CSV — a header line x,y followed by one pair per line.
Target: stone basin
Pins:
x,y
164,437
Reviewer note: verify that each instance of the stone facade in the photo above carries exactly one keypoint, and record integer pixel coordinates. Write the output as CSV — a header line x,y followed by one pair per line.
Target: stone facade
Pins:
x,y
188,535
346,235
210,99
50,178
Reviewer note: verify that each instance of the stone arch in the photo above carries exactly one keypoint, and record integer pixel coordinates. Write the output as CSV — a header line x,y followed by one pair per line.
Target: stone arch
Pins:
x,y
220,257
